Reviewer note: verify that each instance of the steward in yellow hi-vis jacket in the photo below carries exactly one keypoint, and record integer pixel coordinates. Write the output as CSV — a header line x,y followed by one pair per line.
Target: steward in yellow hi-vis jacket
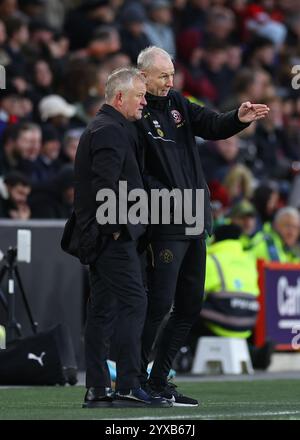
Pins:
x,y
278,242
230,307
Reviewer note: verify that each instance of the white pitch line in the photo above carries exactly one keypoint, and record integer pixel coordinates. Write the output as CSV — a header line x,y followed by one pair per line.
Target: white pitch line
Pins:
x,y
278,402
210,416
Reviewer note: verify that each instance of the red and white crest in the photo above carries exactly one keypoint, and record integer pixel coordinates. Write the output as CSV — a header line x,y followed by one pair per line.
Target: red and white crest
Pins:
x,y
177,116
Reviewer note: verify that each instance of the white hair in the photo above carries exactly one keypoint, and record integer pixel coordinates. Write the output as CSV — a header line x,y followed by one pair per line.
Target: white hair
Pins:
x,y
147,57
121,80
287,210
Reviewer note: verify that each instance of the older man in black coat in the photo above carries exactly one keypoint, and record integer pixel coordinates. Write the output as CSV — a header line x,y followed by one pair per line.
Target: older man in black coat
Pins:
x,y
107,154
173,161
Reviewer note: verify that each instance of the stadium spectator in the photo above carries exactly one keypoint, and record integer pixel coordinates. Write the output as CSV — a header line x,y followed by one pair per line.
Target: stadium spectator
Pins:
x,y
190,56
10,108
219,202
220,25
56,199
117,60
158,28
266,199
104,42
273,147
56,112
9,9
42,83
55,12
278,241
261,53
243,214
4,58
254,83
17,38
81,22
132,32
239,183
15,204
264,20
32,8
70,144
234,59
86,110
42,78
80,80
219,157
47,164
195,13
215,69
26,147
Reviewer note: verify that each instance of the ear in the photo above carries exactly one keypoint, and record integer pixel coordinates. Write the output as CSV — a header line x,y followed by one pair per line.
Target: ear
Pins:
x,y
119,97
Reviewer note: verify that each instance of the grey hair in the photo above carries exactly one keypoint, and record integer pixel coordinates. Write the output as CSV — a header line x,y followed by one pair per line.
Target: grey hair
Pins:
x,y
147,56
287,210
121,80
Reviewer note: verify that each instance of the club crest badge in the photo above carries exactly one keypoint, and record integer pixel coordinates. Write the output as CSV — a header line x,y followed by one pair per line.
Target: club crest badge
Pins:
x,y
176,116
166,256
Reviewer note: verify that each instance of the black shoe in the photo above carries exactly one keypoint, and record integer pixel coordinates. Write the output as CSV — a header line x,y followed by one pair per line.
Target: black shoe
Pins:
x,y
98,398
170,393
150,391
137,397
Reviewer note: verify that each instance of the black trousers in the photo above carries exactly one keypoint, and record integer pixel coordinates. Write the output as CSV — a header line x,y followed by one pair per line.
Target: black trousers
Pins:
x,y
117,305
176,277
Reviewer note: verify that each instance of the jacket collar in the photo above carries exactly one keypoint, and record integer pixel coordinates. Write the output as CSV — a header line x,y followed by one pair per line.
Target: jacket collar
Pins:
x,y
157,102
115,114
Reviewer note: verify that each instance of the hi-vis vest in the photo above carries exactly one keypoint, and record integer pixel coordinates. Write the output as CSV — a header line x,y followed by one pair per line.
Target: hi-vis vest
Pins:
x,y
268,245
232,311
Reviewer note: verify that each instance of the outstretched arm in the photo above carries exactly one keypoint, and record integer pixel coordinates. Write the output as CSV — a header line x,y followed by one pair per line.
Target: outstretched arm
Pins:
x,y
212,125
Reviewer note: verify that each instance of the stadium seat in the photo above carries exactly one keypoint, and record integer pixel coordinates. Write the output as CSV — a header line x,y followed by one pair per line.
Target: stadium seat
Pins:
x,y
222,355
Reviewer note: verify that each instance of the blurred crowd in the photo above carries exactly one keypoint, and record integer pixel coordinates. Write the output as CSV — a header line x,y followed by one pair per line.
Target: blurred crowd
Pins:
x,y
58,54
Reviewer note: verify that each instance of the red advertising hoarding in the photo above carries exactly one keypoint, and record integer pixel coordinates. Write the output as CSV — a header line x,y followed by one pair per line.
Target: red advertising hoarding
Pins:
x,y
279,315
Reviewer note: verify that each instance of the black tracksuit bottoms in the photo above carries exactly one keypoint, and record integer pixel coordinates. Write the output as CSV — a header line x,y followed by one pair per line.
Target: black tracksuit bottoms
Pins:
x,y
117,305
176,278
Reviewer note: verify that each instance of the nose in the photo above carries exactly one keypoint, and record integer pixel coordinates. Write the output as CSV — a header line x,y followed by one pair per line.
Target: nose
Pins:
x,y
143,101
170,81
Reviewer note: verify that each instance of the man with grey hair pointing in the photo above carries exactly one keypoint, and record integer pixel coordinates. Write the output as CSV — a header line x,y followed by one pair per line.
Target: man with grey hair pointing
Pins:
x,y
173,160
107,154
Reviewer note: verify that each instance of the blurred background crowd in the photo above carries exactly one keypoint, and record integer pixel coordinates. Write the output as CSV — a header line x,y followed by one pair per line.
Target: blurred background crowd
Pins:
x,y
57,55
